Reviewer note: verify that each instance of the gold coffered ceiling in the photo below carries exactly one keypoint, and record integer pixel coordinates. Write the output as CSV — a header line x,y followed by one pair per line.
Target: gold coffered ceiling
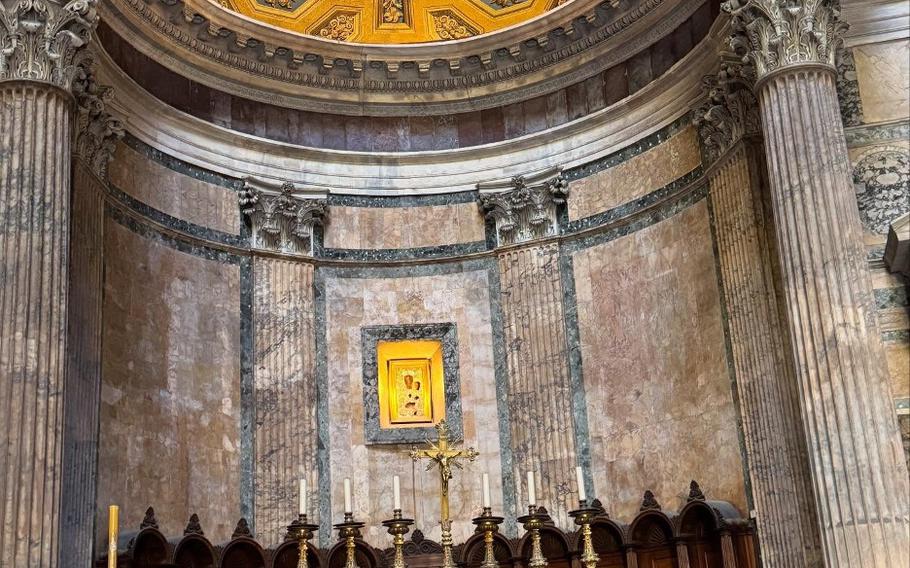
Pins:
x,y
391,21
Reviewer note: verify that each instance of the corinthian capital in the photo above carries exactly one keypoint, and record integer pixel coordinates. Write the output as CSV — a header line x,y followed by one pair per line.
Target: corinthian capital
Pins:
x,y
524,207
96,130
730,111
282,217
43,40
773,34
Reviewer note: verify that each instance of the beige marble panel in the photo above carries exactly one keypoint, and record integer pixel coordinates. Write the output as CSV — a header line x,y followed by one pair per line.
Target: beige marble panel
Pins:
x,y
170,393
462,298
659,394
883,73
403,227
635,177
176,194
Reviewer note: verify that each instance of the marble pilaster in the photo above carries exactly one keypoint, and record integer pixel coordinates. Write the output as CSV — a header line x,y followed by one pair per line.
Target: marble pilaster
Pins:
x,y
728,124
859,478
285,392
539,386
42,49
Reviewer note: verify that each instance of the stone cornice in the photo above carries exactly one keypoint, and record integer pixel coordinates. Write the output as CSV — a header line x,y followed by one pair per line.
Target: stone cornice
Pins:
x,y
775,34
307,73
44,40
227,152
874,21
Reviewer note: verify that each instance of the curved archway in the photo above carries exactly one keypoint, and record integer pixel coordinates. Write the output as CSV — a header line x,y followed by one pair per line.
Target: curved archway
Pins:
x,y
473,552
651,536
149,548
242,553
697,526
609,541
364,554
288,554
194,551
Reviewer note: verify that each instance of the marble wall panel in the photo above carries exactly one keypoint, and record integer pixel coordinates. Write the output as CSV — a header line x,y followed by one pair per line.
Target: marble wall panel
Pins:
x,y
170,393
540,391
174,193
658,390
635,177
403,227
461,298
883,72
284,389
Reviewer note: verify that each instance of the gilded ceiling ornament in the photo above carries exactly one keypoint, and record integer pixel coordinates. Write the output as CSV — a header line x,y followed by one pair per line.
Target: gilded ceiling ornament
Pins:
x,y
772,34
96,130
284,4
392,11
450,26
42,40
340,27
730,112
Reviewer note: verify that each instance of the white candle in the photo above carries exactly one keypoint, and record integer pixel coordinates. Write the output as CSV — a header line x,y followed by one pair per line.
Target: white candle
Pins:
x,y
348,507
486,490
532,490
580,480
301,496
396,492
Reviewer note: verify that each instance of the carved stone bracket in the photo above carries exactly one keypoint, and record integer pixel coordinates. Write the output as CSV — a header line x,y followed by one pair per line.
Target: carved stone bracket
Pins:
x,y
282,217
730,111
773,34
96,130
43,40
524,208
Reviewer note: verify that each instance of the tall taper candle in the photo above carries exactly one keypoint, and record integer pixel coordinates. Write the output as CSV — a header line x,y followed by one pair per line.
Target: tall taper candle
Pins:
x,y
580,480
113,528
348,507
532,490
486,490
396,492
301,497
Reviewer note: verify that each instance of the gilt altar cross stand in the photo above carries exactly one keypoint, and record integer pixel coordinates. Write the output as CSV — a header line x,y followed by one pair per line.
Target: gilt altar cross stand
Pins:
x,y
445,458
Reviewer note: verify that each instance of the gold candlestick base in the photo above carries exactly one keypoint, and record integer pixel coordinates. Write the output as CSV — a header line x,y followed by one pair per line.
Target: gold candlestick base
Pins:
x,y
583,516
533,522
398,527
447,544
488,525
348,531
302,531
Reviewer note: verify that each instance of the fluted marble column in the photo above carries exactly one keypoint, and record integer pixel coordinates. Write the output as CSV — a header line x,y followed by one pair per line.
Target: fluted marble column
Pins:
x,y
41,42
729,126
859,478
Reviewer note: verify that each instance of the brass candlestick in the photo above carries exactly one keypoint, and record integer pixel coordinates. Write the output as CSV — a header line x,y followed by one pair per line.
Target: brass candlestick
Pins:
x,y
348,531
398,527
533,522
583,517
488,525
302,531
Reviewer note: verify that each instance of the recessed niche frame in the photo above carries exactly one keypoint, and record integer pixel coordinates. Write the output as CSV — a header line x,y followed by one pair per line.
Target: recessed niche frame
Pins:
x,y
371,337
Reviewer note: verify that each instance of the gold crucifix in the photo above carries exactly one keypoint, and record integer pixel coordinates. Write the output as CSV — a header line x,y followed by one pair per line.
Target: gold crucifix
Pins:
x,y
445,458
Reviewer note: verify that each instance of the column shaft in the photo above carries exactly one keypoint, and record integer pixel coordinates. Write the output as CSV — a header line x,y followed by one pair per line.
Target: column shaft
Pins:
x,y
34,235
778,465
859,477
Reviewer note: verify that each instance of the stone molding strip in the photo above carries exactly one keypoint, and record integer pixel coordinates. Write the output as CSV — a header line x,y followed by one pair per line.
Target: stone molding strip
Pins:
x,y
412,173
347,82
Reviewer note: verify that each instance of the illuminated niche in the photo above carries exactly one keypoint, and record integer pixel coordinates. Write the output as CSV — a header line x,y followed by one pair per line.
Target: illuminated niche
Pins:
x,y
411,383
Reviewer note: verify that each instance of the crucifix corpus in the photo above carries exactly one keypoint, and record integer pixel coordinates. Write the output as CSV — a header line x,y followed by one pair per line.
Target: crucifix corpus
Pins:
x,y
445,458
